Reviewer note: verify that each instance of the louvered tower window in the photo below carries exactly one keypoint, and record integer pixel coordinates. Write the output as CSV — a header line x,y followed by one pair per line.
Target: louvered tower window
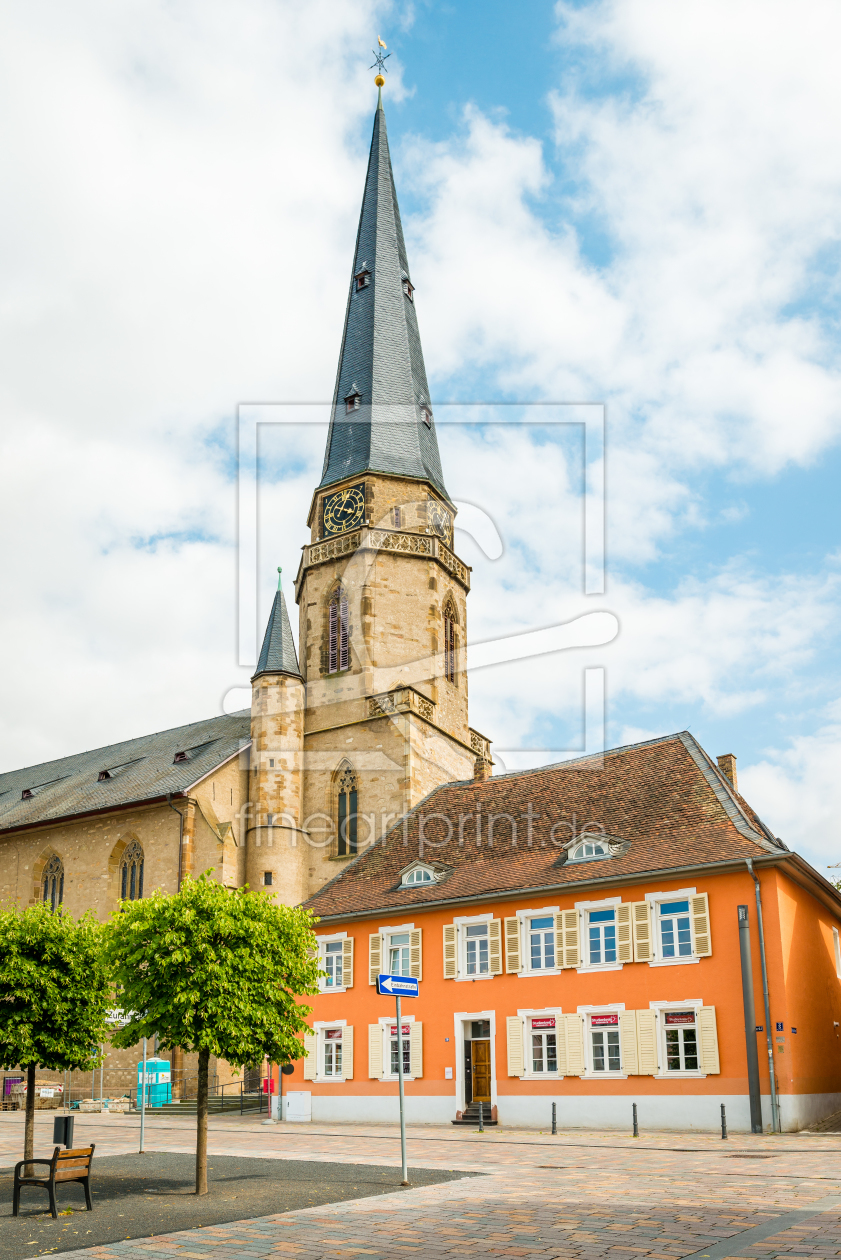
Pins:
x,y
131,873
52,882
338,648
347,813
450,642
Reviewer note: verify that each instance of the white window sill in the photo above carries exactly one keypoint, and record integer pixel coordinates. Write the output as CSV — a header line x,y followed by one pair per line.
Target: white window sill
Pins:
x,y
604,1076
333,989
541,971
329,1080
672,962
542,1076
395,1078
487,975
600,967
679,1076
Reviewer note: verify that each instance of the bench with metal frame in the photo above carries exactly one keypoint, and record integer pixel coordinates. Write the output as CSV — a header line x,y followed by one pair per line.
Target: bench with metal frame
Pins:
x,y
72,1165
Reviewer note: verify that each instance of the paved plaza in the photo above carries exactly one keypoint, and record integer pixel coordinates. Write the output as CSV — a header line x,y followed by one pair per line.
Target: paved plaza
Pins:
x,y
577,1196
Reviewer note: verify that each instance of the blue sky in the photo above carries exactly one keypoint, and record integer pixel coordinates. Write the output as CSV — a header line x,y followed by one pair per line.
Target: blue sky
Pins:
x,y
623,201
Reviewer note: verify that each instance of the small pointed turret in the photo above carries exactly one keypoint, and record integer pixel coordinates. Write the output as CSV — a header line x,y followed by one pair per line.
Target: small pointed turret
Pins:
x,y
381,419
277,655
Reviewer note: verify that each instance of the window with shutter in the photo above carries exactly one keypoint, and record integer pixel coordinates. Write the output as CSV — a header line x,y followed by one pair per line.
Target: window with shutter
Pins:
x,y
338,644
700,906
628,1042
495,947
311,1061
347,963
574,1029
647,1043
450,951
416,1049
641,913
571,952
708,1040
375,1051
624,935
415,955
512,949
375,953
347,1053
514,1036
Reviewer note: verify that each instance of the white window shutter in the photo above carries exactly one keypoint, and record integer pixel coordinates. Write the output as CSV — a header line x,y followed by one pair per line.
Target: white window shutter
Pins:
x,y
514,1035
375,1051
311,1061
708,1040
574,1029
700,906
375,956
647,1043
450,951
416,1049
628,1042
415,955
512,949
570,952
643,946
624,934
347,963
495,947
347,1053
561,1043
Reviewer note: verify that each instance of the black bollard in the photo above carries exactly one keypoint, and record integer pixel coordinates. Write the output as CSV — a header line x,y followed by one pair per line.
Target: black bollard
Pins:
x,y
554,1118
636,1126
723,1123
481,1120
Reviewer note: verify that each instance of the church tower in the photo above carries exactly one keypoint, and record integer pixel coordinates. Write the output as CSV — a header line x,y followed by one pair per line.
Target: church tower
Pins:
x,y
382,595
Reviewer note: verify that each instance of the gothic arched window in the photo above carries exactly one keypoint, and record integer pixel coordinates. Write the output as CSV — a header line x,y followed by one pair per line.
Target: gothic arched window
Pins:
x,y
347,812
52,882
450,641
131,872
338,650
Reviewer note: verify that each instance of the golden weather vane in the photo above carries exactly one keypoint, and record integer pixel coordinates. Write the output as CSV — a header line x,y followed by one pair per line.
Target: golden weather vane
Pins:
x,y
379,62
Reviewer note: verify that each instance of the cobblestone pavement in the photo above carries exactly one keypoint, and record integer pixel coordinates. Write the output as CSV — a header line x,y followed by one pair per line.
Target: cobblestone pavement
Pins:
x,y
578,1196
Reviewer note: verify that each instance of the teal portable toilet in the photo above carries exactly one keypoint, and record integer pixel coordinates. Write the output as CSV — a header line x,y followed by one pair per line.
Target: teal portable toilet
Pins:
x,y
158,1082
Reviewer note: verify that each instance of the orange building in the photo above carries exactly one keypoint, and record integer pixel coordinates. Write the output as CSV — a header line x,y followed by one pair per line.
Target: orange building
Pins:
x,y
596,904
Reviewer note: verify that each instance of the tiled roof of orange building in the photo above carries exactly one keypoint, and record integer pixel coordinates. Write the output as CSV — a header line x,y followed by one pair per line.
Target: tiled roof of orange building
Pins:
x,y
665,800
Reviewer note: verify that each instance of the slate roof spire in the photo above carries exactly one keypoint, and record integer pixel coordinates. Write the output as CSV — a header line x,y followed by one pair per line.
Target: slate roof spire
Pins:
x,y
389,427
277,655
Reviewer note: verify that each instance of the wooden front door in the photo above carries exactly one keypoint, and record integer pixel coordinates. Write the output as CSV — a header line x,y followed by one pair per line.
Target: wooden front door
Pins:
x,y
481,1056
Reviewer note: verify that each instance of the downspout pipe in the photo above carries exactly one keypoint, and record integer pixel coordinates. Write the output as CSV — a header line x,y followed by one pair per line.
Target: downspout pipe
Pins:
x,y
775,1109
754,1089
180,836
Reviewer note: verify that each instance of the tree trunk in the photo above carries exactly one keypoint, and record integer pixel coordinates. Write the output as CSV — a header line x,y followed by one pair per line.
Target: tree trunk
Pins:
x,y
201,1124
29,1125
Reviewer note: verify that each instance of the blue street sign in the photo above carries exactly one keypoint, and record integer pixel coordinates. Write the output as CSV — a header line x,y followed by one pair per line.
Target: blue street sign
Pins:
x,y
398,986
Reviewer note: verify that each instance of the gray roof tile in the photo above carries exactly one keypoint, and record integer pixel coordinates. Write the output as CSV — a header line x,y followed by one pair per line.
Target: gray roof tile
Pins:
x,y
277,655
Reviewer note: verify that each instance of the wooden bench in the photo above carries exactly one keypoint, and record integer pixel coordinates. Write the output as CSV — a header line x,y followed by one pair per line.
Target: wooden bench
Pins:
x,y
72,1165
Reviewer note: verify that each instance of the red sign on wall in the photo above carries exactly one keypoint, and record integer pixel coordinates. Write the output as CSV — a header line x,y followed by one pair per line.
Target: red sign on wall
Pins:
x,y
332,1034
405,1030
547,1022
680,1017
602,1021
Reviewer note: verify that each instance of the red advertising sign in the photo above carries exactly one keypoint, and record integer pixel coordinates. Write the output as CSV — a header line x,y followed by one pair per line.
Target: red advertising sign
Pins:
x,y
332,1034
547,1022
405,1030
680,1017
602,1021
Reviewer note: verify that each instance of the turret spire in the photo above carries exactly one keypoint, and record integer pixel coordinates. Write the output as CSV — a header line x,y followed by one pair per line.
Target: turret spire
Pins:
x,y
381,420
277,655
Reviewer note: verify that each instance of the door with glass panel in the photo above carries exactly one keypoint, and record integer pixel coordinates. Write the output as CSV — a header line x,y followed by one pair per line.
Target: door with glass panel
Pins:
x,y
477,1061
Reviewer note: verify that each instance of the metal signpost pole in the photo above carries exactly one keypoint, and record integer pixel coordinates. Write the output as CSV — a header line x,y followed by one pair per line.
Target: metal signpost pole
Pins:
x,y
405,1180
143,1100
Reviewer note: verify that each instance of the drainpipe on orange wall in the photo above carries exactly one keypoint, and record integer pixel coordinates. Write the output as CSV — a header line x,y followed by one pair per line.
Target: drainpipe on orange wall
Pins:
x,y
775,1109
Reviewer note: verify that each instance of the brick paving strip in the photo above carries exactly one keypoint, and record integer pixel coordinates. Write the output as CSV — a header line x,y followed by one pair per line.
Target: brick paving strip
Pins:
x,y
669,1196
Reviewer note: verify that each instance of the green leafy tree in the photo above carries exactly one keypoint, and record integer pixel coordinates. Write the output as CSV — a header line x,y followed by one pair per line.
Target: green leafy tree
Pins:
x,y
54,996
213,970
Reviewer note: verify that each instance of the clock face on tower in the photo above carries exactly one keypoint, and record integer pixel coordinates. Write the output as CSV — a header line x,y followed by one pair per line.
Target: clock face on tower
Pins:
x,y
344,510
440,521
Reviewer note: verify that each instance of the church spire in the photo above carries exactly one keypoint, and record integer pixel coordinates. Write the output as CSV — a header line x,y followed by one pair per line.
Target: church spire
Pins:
x,y
381,420
277,655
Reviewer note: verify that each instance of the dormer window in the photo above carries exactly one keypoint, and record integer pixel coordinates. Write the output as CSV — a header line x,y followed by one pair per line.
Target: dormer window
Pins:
x,y
408,288
418,875
26,794
362,279
589,850
102,776
179,756
426,416
353,402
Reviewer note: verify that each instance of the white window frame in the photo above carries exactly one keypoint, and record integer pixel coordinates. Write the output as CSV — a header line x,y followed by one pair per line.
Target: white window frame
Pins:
x,y
323,942
385,1026
418,866
588,839
461,949
386,933
654,898
836,941
319,1027
525,945
527,1014
583,908
590,1074
660,1009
